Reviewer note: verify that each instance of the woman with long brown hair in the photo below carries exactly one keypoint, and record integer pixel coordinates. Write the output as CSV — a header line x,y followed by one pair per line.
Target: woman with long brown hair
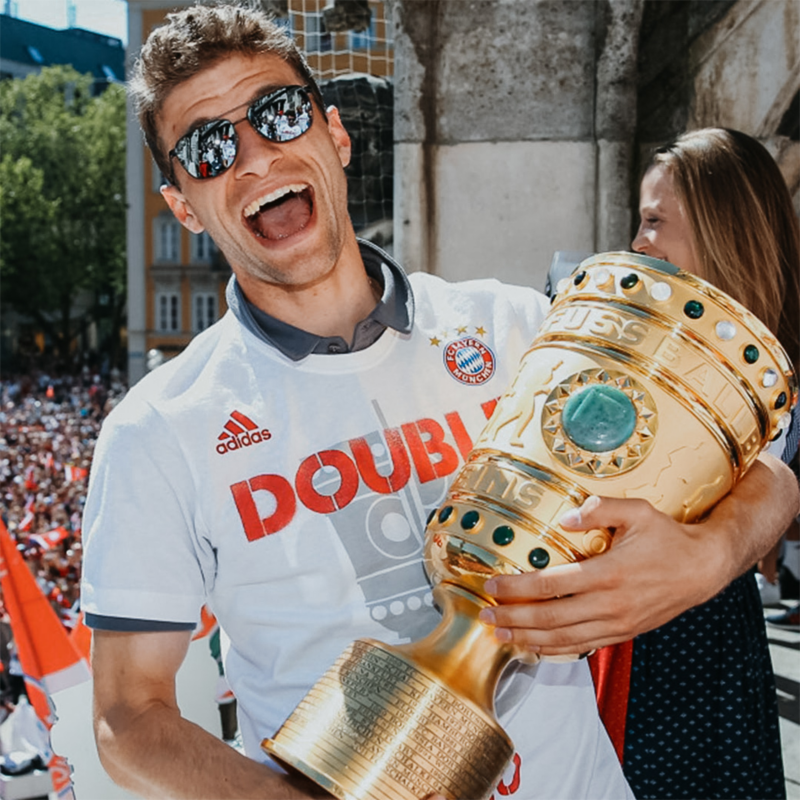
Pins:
x,y
702,712
739,230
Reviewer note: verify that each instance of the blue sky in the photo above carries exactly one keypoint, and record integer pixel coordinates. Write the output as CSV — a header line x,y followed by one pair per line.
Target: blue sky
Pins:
x,y
104,16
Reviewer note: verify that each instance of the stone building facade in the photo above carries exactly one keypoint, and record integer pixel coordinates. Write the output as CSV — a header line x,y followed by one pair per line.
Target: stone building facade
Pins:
x,y
520,125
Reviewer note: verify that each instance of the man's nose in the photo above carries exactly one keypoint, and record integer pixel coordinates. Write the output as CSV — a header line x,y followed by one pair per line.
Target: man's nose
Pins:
x,y
255,154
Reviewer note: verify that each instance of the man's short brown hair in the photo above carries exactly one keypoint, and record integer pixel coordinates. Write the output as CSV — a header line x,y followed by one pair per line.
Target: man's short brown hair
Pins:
x,y
195,39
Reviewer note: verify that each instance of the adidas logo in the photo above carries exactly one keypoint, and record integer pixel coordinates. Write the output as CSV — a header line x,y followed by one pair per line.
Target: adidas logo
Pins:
x,y
240,431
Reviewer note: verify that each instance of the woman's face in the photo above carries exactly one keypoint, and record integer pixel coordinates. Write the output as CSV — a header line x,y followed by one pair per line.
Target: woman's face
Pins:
x,y
664,230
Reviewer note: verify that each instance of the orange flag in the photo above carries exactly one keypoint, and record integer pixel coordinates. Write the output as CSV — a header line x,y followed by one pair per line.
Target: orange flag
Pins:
x,y
49,660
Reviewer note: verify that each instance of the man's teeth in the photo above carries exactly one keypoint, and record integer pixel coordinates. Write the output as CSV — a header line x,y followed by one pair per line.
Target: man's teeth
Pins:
x,y
272,197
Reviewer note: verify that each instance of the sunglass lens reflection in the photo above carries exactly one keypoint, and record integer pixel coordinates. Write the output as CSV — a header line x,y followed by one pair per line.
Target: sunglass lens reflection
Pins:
x,y
283,117
212,150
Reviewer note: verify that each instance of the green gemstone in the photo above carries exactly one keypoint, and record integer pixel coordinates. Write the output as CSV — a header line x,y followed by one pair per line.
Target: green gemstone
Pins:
x,y
539,558
599,418
751,354
503,535
780,400
445,514
629,281
470,520
694,309
579,278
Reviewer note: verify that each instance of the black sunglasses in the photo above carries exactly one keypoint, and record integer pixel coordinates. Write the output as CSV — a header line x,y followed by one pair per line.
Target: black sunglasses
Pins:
x,y
209,149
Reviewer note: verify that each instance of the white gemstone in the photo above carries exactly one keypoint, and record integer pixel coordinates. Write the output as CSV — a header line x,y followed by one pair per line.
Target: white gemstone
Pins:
x,y
769,378
601,277
784,421
726,330
661,291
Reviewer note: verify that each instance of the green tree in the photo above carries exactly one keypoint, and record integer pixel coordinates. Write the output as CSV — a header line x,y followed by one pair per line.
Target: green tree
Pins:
x,y
62,205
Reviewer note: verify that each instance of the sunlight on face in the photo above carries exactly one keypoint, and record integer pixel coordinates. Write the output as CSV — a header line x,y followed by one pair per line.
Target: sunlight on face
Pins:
x,y
664,230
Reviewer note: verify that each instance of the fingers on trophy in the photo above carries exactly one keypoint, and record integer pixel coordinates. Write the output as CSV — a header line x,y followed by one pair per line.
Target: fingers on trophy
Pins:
x,y
643,381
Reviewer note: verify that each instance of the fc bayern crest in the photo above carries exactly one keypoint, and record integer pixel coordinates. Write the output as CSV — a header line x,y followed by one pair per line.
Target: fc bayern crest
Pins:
x,y
469,360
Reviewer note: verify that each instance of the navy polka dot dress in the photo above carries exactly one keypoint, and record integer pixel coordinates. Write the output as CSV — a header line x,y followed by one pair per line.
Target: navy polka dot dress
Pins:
x,y
702,711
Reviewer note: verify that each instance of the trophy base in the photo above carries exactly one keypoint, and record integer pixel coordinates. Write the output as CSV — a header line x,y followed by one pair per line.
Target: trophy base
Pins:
x,y
377,727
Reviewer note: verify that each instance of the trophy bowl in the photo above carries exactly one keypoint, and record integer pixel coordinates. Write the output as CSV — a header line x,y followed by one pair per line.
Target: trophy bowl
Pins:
x,y
643,381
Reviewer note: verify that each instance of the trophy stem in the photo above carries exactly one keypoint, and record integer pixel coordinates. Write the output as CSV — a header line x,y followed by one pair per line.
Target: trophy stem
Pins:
x,y
461,651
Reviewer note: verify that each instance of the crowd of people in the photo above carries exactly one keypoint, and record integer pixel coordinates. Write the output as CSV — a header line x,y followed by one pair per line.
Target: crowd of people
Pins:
x,y
48,428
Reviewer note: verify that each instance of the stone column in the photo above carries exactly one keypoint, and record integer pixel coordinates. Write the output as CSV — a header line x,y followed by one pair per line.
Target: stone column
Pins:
x,y
618,24
495,162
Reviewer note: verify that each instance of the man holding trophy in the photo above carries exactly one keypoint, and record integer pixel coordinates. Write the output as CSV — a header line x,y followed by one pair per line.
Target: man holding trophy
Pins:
x,y
282,470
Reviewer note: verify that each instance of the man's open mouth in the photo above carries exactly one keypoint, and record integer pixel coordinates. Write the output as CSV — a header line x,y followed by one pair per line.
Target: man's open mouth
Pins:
x,y
282,213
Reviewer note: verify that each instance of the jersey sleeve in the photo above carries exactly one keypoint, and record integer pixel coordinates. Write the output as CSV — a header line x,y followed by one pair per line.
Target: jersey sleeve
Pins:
x,y
145,554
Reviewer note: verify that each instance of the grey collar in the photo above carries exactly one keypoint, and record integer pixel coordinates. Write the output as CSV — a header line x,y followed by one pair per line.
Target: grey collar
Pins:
x,y
394,310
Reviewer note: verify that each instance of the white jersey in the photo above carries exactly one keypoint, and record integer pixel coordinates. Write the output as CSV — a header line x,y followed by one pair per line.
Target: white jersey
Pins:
x,y
292,498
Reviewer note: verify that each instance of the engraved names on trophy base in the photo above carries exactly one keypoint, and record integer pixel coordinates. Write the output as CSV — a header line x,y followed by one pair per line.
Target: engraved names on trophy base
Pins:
x,y
380,728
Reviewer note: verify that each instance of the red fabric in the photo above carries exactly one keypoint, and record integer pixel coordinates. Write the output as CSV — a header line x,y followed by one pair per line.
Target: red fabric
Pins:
x,y
611,670
51,538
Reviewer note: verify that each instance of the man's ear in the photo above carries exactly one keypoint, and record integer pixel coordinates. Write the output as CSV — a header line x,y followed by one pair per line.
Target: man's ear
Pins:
x,y
180,207
341,138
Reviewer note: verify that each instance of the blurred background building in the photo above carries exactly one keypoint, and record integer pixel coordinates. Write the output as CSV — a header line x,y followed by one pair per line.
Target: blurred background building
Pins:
x,y
26,47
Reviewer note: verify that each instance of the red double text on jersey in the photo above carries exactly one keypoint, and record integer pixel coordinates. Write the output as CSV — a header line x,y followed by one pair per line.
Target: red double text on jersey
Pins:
x,y
423,444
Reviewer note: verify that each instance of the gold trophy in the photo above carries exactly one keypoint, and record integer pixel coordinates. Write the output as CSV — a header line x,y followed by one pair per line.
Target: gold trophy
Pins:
x,y
643,381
